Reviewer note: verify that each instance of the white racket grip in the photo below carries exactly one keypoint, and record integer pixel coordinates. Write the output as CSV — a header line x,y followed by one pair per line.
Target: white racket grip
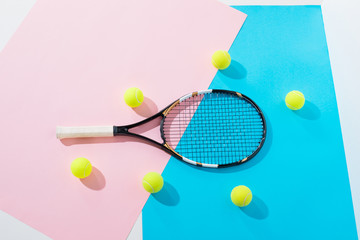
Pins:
x,y
82,132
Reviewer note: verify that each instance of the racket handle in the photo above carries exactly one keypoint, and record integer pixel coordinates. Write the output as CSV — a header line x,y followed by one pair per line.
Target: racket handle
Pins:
x,y
82,132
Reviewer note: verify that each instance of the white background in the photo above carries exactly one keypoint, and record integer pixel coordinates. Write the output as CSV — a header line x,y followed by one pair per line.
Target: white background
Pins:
x,y
342,26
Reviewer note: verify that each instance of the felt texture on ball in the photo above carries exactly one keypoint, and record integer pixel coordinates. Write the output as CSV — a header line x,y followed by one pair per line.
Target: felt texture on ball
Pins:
x,y
241,196
295,100
221,59
81,167
133,97
153,182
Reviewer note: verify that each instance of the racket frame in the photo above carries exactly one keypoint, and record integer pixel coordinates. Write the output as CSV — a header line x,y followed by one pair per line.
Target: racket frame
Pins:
x,y
124,130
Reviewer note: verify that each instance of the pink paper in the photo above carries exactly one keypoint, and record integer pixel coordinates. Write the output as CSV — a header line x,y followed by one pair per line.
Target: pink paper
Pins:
x,y
69,64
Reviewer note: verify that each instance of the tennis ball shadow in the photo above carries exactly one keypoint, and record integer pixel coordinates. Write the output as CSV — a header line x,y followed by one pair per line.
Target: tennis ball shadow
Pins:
x,y
256,209
235,70
147,108
96,180
310,111
168,195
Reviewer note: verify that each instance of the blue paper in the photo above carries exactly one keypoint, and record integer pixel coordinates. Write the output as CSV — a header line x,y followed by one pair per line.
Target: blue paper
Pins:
x,y
299,179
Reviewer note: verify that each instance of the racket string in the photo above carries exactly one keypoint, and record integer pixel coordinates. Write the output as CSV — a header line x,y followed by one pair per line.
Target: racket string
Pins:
x,y
216,128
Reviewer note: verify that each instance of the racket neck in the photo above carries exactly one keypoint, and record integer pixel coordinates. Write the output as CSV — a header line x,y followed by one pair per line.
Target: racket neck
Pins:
x,y
124,131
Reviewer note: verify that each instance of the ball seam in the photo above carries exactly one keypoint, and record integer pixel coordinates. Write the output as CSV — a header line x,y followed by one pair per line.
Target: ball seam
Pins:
x,y
295,108
153,190
245,199
85,169
136,96
226,56
215,64
299,94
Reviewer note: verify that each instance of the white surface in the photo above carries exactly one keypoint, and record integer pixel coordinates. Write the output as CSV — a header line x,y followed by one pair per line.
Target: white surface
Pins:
x,y
136,231
12,12
13,229
342,26
272,2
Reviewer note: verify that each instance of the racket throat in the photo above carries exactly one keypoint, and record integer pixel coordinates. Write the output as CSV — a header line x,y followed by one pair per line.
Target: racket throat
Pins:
x,y
123,130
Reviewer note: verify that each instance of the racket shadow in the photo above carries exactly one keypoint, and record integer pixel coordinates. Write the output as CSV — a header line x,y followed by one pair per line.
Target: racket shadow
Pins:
x,y
250,163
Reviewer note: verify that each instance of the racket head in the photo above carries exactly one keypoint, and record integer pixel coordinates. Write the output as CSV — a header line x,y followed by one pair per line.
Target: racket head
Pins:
x,y
213,128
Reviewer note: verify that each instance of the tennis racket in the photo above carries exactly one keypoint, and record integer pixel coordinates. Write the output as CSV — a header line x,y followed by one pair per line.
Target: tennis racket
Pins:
x,y
211,128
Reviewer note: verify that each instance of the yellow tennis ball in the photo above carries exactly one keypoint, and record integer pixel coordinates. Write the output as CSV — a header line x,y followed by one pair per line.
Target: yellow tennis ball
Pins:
x,y
133,97
153,182
295,100
221,59
81,167
241,196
